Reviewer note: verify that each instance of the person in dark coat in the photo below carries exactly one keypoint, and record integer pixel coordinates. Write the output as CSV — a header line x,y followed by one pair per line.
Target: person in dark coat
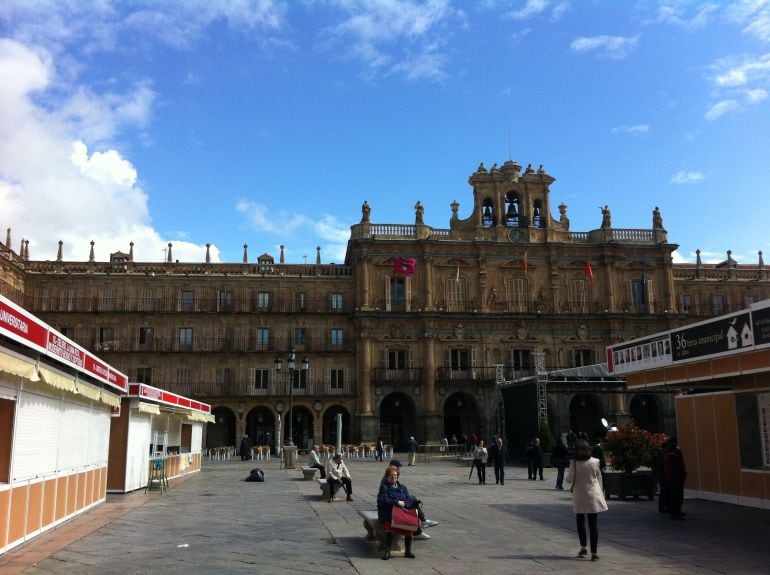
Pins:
x,y
530,452
392,493
498,457
659,471
245,449
673,464
560,458
537,459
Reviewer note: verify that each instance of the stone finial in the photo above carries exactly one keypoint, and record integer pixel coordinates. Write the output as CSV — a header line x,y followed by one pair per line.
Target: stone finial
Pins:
x,y
208,253
481,169
91,257
318,254
131,252
541,169
418,213
761,261
21,248
26,250
697,258
530,169
365,212
657,219
245,253
281,257
60,252
168,254
8,238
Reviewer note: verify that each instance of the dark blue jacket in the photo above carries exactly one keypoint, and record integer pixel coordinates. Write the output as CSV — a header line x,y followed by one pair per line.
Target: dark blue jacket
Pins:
x,y
390,496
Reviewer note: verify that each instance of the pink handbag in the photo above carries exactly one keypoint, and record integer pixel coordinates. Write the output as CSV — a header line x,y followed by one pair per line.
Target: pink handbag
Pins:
x,y
405,519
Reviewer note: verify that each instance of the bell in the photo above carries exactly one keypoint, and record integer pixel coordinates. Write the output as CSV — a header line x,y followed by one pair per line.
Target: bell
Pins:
x,y
488,212
537,212
511,213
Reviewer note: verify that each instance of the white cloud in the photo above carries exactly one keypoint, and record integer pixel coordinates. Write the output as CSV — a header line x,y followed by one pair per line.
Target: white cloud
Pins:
x,y
756,95
612,47
394,36
51,186
684,177
754,16
731,74
300,228
530,9
633,130
721,108
676,13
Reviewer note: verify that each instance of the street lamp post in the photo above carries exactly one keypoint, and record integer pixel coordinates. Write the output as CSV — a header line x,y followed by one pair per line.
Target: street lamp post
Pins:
x,y
289,371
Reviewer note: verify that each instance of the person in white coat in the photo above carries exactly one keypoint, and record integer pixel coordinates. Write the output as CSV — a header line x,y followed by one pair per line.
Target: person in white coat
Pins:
x,y
337,474
587,495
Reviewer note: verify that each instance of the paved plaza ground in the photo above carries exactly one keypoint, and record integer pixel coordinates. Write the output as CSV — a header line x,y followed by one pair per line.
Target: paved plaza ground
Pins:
x,y
214,522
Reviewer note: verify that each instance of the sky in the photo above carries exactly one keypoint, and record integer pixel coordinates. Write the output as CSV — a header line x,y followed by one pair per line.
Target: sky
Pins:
x,y
266,122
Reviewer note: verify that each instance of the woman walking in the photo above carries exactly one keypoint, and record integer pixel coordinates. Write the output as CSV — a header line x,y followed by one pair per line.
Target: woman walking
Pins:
x,y
480,461
587,495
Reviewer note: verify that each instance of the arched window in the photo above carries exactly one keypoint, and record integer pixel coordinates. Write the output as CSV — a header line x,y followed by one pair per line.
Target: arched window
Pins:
x,y
538,217
512,209
488,218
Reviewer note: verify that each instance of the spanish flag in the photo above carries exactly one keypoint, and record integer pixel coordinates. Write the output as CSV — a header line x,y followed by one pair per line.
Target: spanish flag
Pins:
x,y
524,264
589,272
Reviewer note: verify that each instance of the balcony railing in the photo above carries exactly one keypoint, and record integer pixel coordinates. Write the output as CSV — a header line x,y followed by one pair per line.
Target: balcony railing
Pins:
x,y
157,344
383,375
249,389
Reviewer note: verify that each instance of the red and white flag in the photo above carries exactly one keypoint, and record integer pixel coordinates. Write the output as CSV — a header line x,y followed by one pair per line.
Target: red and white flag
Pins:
x,y
404,266
589,272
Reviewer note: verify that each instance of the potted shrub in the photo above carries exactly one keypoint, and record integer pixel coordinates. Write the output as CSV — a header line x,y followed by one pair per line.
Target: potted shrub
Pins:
x,y
628,449
546,442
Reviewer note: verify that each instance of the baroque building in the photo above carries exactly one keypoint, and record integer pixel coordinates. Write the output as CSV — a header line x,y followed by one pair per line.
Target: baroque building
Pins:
x,y
415,334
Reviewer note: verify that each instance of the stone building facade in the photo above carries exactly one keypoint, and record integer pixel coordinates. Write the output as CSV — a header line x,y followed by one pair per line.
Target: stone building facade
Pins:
x,y
407,336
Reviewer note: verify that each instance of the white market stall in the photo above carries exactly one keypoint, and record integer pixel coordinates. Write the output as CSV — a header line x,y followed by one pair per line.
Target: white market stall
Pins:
x,y
157,433
56,400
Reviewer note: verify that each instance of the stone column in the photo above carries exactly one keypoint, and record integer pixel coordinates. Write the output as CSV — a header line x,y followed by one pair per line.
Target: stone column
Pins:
x,y
432,418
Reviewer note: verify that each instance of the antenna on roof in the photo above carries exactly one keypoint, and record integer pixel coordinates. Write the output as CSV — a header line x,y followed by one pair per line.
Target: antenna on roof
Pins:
x,y
508,110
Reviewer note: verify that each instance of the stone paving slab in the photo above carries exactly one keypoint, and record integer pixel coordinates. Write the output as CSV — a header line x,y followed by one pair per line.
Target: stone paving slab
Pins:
x,y
214,522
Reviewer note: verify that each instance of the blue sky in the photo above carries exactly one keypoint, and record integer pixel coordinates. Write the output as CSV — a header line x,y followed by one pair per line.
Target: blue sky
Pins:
x,y
269,122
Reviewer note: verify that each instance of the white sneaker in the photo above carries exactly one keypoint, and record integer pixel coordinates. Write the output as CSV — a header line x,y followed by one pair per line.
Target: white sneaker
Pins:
x,y
421,535
429,523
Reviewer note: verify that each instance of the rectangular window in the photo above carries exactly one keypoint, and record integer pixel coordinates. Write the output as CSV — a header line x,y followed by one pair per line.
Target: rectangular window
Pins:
x,y
67,302
144,375
299,378
521,359
519,295
638,295
578,295
183,376
68,332
719,304
336,301
261,378
397,294
145,337
460,359
263,337
396,359
687,303
226,301
187,301
105,339
581,357
224,380
263,300
337,378
147,301
337,337
185,337
299,336
107,300
747,301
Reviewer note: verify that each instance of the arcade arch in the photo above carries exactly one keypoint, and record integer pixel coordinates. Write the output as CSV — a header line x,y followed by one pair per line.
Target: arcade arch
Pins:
x,y
397,420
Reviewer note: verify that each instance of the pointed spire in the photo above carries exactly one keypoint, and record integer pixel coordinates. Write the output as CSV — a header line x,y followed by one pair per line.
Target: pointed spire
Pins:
x,y
208,253
8,238
318,254
21,248
91,257
131,252
281,258
761,261
26,250
168,254
245,253
60,252
697,258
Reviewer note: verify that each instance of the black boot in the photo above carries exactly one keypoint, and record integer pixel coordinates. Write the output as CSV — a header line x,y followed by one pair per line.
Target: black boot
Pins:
x,y
408,548
388,545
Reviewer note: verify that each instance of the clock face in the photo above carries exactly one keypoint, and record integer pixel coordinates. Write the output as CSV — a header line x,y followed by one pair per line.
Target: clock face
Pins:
x,y
514,235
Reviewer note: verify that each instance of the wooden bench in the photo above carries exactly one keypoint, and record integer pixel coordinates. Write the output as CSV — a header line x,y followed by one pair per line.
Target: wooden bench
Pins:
x,y
309,473
375,532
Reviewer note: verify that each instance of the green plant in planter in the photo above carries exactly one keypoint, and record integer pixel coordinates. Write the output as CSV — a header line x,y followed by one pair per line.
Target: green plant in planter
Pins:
x,y
546,437
631,447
